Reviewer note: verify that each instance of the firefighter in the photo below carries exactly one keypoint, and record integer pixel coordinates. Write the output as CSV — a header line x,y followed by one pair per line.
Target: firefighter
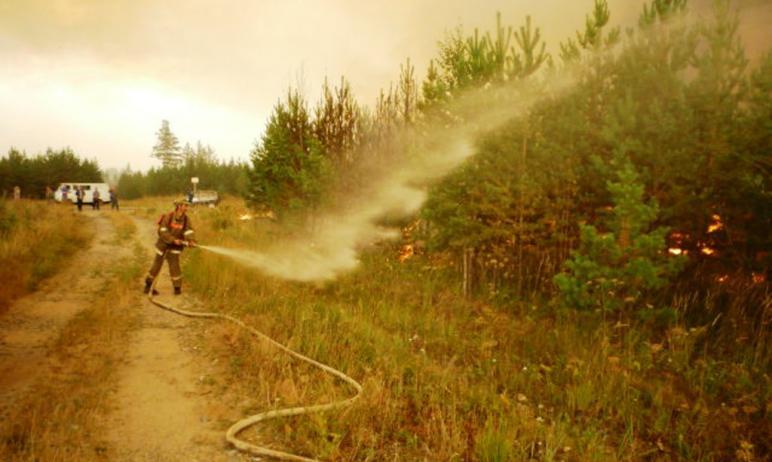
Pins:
x,y
174,234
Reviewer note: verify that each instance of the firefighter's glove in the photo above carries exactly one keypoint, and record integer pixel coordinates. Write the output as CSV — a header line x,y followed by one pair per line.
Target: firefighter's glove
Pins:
x,y
191,243
179,242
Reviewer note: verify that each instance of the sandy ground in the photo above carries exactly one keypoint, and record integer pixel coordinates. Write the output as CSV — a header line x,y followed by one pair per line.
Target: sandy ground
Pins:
x,y
165,407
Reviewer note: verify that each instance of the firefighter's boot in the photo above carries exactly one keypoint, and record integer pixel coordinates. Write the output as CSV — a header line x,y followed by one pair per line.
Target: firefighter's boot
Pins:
x,y
177,290
148,285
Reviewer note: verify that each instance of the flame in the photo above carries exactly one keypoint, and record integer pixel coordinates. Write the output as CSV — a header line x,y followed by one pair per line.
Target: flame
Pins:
x,y
707,251
758,278
675,251
406,252
716,225
267,214
722,279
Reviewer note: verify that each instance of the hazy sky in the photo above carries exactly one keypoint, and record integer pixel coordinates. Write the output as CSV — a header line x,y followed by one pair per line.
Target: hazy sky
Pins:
x,y
100,75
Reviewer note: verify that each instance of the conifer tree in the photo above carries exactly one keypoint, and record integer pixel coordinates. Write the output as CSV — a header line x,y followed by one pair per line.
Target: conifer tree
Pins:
x,y
617,266
408,93
187,153
337,122
167,149
434,89
289,170
481,208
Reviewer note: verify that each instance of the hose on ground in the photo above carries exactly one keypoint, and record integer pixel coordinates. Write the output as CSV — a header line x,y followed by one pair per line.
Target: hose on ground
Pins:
x,y
232,434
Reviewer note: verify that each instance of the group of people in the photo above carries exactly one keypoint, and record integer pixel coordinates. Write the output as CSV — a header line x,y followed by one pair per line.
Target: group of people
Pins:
x,y
96,200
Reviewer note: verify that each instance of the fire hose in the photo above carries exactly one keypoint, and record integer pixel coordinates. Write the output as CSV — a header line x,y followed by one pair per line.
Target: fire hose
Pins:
x,y
232,434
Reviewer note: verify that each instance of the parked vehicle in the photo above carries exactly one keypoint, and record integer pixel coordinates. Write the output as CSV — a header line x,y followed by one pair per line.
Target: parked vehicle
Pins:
x,y
205,197
66,191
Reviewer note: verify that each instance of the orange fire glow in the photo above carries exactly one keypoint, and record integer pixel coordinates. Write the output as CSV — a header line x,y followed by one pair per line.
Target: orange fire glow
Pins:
x,y
675,251
758,278
716,225
406,252
707,251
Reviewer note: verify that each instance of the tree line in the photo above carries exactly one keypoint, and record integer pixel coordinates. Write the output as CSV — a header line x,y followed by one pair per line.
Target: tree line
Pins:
x,y
179,165
33,174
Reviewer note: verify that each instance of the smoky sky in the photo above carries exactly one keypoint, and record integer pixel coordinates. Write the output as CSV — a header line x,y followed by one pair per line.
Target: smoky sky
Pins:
x,y
99,76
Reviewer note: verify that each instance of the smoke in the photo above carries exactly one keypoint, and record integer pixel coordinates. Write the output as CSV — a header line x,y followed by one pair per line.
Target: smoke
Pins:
x,y
397,187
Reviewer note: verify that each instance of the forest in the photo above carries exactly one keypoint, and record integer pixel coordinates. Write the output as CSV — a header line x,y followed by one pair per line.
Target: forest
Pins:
x,y
588,280
651,169
632,203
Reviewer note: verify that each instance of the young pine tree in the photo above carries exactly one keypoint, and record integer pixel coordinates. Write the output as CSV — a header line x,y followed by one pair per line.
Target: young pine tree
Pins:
x,y
618,268
289,169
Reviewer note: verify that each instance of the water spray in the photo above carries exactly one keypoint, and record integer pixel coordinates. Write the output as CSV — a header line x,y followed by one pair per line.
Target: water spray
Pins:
x,y
396,186
333,246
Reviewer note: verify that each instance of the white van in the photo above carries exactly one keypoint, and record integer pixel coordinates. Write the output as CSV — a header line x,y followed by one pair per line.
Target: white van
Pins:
x,y
66,192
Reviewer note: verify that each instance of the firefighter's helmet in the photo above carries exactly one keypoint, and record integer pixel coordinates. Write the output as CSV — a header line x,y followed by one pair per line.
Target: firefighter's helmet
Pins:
x,y
181,201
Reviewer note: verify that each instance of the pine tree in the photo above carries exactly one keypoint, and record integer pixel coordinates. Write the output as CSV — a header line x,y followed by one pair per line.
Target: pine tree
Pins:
x,y
337,123
618,267
167,149
594,37
486,208
289,170
204,154
408,93
187,153
434,89
748,179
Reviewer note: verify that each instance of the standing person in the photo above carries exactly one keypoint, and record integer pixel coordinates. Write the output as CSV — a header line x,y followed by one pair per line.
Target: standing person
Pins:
x,y
113,199
174,233
16,193
79,198
95,198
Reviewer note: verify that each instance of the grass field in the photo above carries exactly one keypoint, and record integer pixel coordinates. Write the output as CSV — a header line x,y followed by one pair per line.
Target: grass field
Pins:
x,y
445,378
452,379
36,238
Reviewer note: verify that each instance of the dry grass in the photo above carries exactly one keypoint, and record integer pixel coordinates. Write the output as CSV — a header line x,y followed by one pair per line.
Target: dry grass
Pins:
x,y
446,379
36,237
62,417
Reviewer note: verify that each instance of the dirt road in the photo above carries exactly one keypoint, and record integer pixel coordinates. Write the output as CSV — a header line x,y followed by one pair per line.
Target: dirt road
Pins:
x,y
162,405
163,413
